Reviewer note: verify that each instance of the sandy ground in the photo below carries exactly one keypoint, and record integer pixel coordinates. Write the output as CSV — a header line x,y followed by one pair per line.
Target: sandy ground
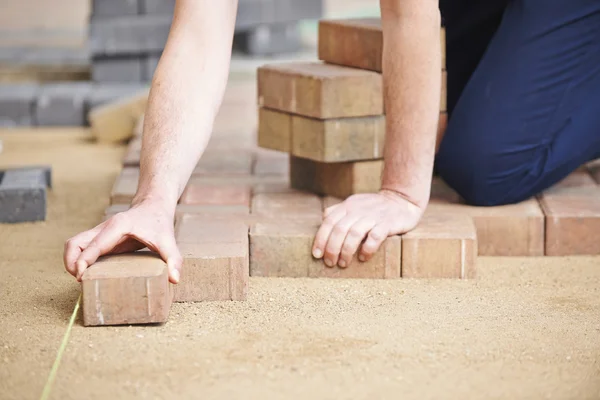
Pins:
x,y
527,328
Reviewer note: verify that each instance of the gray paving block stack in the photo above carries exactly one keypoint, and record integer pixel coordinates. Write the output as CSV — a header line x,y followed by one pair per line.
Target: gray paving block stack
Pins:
x,y
17,104
62,104
23,194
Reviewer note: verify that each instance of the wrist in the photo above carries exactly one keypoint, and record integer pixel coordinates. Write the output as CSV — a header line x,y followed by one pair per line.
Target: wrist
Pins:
x,y
155,199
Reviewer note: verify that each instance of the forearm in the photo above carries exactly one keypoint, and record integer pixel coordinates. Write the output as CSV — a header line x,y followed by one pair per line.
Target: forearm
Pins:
x,y
185,96
412,76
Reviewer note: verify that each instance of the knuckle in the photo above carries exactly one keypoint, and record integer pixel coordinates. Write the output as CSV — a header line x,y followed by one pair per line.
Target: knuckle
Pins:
x,y
340,229
356,233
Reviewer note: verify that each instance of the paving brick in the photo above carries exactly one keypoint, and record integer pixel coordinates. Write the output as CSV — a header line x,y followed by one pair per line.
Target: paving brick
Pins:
x,y
118,69
132,155
125,186
336,179
252,13
103,93
273,187
23,194
226,162
160,7
274,130
216,259
320,90
579,177
267,162
114,8
149,64
200,194
139,127
572,220
284,250
330,201
357,42
269,39
235,212
338,140
17,104
442,193
126,289
138,34
289,205
62,104
443,245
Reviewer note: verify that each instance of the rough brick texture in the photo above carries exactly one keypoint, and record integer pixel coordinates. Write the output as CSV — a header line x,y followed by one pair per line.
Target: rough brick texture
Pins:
x,y
572,220
441,246
23,194
216,259
338,140
357,42
284,250
320,90
62,104
126,289
274,130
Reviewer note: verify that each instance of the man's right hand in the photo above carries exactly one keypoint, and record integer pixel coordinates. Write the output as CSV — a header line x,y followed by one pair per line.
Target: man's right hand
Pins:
x,y
144,225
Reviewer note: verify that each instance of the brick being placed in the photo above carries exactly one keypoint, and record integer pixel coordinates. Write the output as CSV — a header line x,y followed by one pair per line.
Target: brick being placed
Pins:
x,y
357,42
443,245
62,104
572,220
274,130
284,250
126,289
23,194
118,69
17,104
336,179
320,90
215,259
135,34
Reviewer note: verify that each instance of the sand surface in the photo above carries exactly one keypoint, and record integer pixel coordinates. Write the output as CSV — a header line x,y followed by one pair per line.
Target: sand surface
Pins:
x,y
526,328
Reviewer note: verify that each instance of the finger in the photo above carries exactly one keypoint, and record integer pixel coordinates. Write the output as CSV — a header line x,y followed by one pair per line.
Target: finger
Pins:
x,y
374,240
75,245
112,234
325,230
354,238
168,250
330,209
336,239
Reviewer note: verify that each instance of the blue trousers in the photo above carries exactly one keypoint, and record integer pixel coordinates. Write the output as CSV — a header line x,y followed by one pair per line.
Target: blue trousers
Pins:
x,y
523,95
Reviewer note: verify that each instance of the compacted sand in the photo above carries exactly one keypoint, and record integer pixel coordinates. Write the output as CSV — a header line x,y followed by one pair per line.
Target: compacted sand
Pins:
x,y
526,328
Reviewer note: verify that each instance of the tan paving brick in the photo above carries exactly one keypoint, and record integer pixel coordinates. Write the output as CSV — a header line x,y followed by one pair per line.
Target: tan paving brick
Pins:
x,y
125,186
132,155
357,42
267,162
337,140
320,90
226,162
572,220
274,130
443,245
199,194
579,177
215,259
126,289
233,211
287,205
284,250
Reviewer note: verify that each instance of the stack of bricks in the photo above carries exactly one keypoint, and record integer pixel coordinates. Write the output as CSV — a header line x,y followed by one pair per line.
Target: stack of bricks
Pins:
x,y
127,38
329,116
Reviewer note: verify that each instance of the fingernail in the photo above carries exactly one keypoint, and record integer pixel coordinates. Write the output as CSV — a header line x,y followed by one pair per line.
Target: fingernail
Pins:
x,y
328,262
342,264
317,253
361,258
176,275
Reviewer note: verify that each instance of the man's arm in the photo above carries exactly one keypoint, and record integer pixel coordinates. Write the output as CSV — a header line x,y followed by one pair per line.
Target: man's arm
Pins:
x,y
412,80
185,96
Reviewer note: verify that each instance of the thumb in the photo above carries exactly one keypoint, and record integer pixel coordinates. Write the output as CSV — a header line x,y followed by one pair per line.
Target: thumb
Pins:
x,y
169,252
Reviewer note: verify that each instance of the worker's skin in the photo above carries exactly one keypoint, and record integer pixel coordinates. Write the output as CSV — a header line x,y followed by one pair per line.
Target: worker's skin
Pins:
x,y
186,94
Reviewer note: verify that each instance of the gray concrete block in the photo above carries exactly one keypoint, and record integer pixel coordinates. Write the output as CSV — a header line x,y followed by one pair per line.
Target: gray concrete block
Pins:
x,y
23,194
118,69
114,8
129,35
62,104
17,102
45,56
294,10
149,66
252,13
269,39
104,93
157,7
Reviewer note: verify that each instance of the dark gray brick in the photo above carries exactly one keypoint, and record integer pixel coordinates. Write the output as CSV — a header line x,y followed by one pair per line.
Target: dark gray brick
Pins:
x,y
294,10
23,194
129,35
17,103
157,7
62,104
114,8
117,69
252,13
269,39
104,93
45,56
149,66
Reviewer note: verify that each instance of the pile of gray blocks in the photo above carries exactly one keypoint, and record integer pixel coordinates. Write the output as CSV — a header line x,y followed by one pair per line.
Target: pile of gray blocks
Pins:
x,y
57,103
23,194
